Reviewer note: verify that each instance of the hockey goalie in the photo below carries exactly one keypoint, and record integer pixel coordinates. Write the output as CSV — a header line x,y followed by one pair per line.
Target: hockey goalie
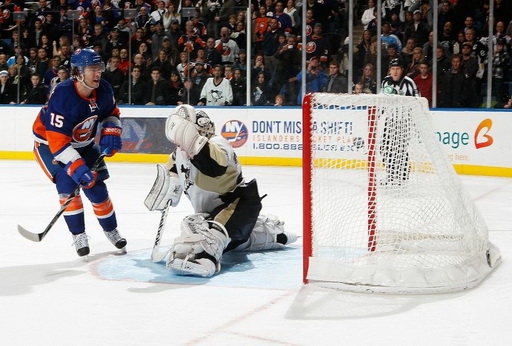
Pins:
x,y
227,208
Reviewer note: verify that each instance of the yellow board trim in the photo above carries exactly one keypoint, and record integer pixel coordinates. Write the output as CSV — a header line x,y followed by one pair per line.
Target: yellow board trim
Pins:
x,y
258,161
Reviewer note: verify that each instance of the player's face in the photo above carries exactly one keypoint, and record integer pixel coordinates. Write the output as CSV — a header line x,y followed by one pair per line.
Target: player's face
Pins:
x,y
92,75
395,72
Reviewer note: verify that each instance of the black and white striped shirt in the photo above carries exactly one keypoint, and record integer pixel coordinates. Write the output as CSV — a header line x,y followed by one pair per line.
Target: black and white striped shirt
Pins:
x,y
405,86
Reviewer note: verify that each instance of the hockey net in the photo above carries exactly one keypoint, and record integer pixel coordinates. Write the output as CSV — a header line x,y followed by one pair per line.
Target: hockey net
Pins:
x,y
384,210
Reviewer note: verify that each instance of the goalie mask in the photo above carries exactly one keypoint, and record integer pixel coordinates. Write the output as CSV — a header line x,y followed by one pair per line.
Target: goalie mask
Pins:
x,y
204,124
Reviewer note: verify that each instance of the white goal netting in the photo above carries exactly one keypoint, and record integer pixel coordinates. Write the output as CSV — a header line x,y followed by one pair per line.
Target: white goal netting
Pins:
x,y
384,210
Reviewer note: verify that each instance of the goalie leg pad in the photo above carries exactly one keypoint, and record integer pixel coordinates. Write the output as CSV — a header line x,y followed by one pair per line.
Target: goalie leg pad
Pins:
x,y
166,188
268,234
198,250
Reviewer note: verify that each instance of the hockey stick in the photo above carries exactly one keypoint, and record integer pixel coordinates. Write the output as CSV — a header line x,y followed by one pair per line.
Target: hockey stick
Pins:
x,y
156,254
37,237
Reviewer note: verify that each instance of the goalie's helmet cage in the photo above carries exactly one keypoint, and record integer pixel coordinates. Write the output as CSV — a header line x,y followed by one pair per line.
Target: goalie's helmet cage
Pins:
x,y
384,210
82,58
204,124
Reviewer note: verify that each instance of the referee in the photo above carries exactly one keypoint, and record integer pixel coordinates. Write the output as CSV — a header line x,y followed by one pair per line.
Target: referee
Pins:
x,y
397,126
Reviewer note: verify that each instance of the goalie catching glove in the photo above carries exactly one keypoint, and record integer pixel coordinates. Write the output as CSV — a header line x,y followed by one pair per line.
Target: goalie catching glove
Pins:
x,y
166,188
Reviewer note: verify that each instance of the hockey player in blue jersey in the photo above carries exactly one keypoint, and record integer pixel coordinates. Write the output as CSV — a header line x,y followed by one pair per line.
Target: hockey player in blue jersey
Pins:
x,y
64,132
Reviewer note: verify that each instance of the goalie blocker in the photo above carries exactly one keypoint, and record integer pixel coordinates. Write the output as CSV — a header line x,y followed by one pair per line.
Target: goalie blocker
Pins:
x,y
226,208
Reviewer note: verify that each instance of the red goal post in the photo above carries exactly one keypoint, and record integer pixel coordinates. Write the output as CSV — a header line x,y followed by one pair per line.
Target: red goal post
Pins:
x,y
383,209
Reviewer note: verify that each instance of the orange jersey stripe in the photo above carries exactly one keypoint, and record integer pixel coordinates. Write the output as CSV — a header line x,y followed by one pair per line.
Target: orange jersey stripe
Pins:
x,y
40,161
75,207
103,209
57,141
38,128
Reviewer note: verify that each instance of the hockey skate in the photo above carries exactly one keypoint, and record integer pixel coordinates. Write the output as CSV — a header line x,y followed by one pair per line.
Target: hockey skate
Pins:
x,y
268,234
116,239
81,243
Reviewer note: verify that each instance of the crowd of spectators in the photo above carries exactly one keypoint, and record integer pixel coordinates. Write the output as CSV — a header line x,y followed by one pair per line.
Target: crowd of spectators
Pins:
x,y
169,52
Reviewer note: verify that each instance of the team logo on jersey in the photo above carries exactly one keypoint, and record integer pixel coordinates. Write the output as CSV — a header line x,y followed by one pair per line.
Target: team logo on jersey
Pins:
x,y
309,30
216,95
93,106
6,14
226,50
84,130
235,132
310,47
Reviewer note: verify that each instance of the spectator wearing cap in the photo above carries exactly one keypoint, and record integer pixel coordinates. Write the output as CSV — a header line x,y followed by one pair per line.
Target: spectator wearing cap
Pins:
x,y
198,73
7,89
226,46
316,79
318,45
175,32
417,29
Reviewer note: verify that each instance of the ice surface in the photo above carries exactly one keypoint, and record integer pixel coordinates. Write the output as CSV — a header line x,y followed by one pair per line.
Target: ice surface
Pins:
x,y
49,296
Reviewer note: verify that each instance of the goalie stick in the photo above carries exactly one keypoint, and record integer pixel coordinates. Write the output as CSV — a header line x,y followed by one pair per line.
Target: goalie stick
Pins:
x,y
156,254
37,237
